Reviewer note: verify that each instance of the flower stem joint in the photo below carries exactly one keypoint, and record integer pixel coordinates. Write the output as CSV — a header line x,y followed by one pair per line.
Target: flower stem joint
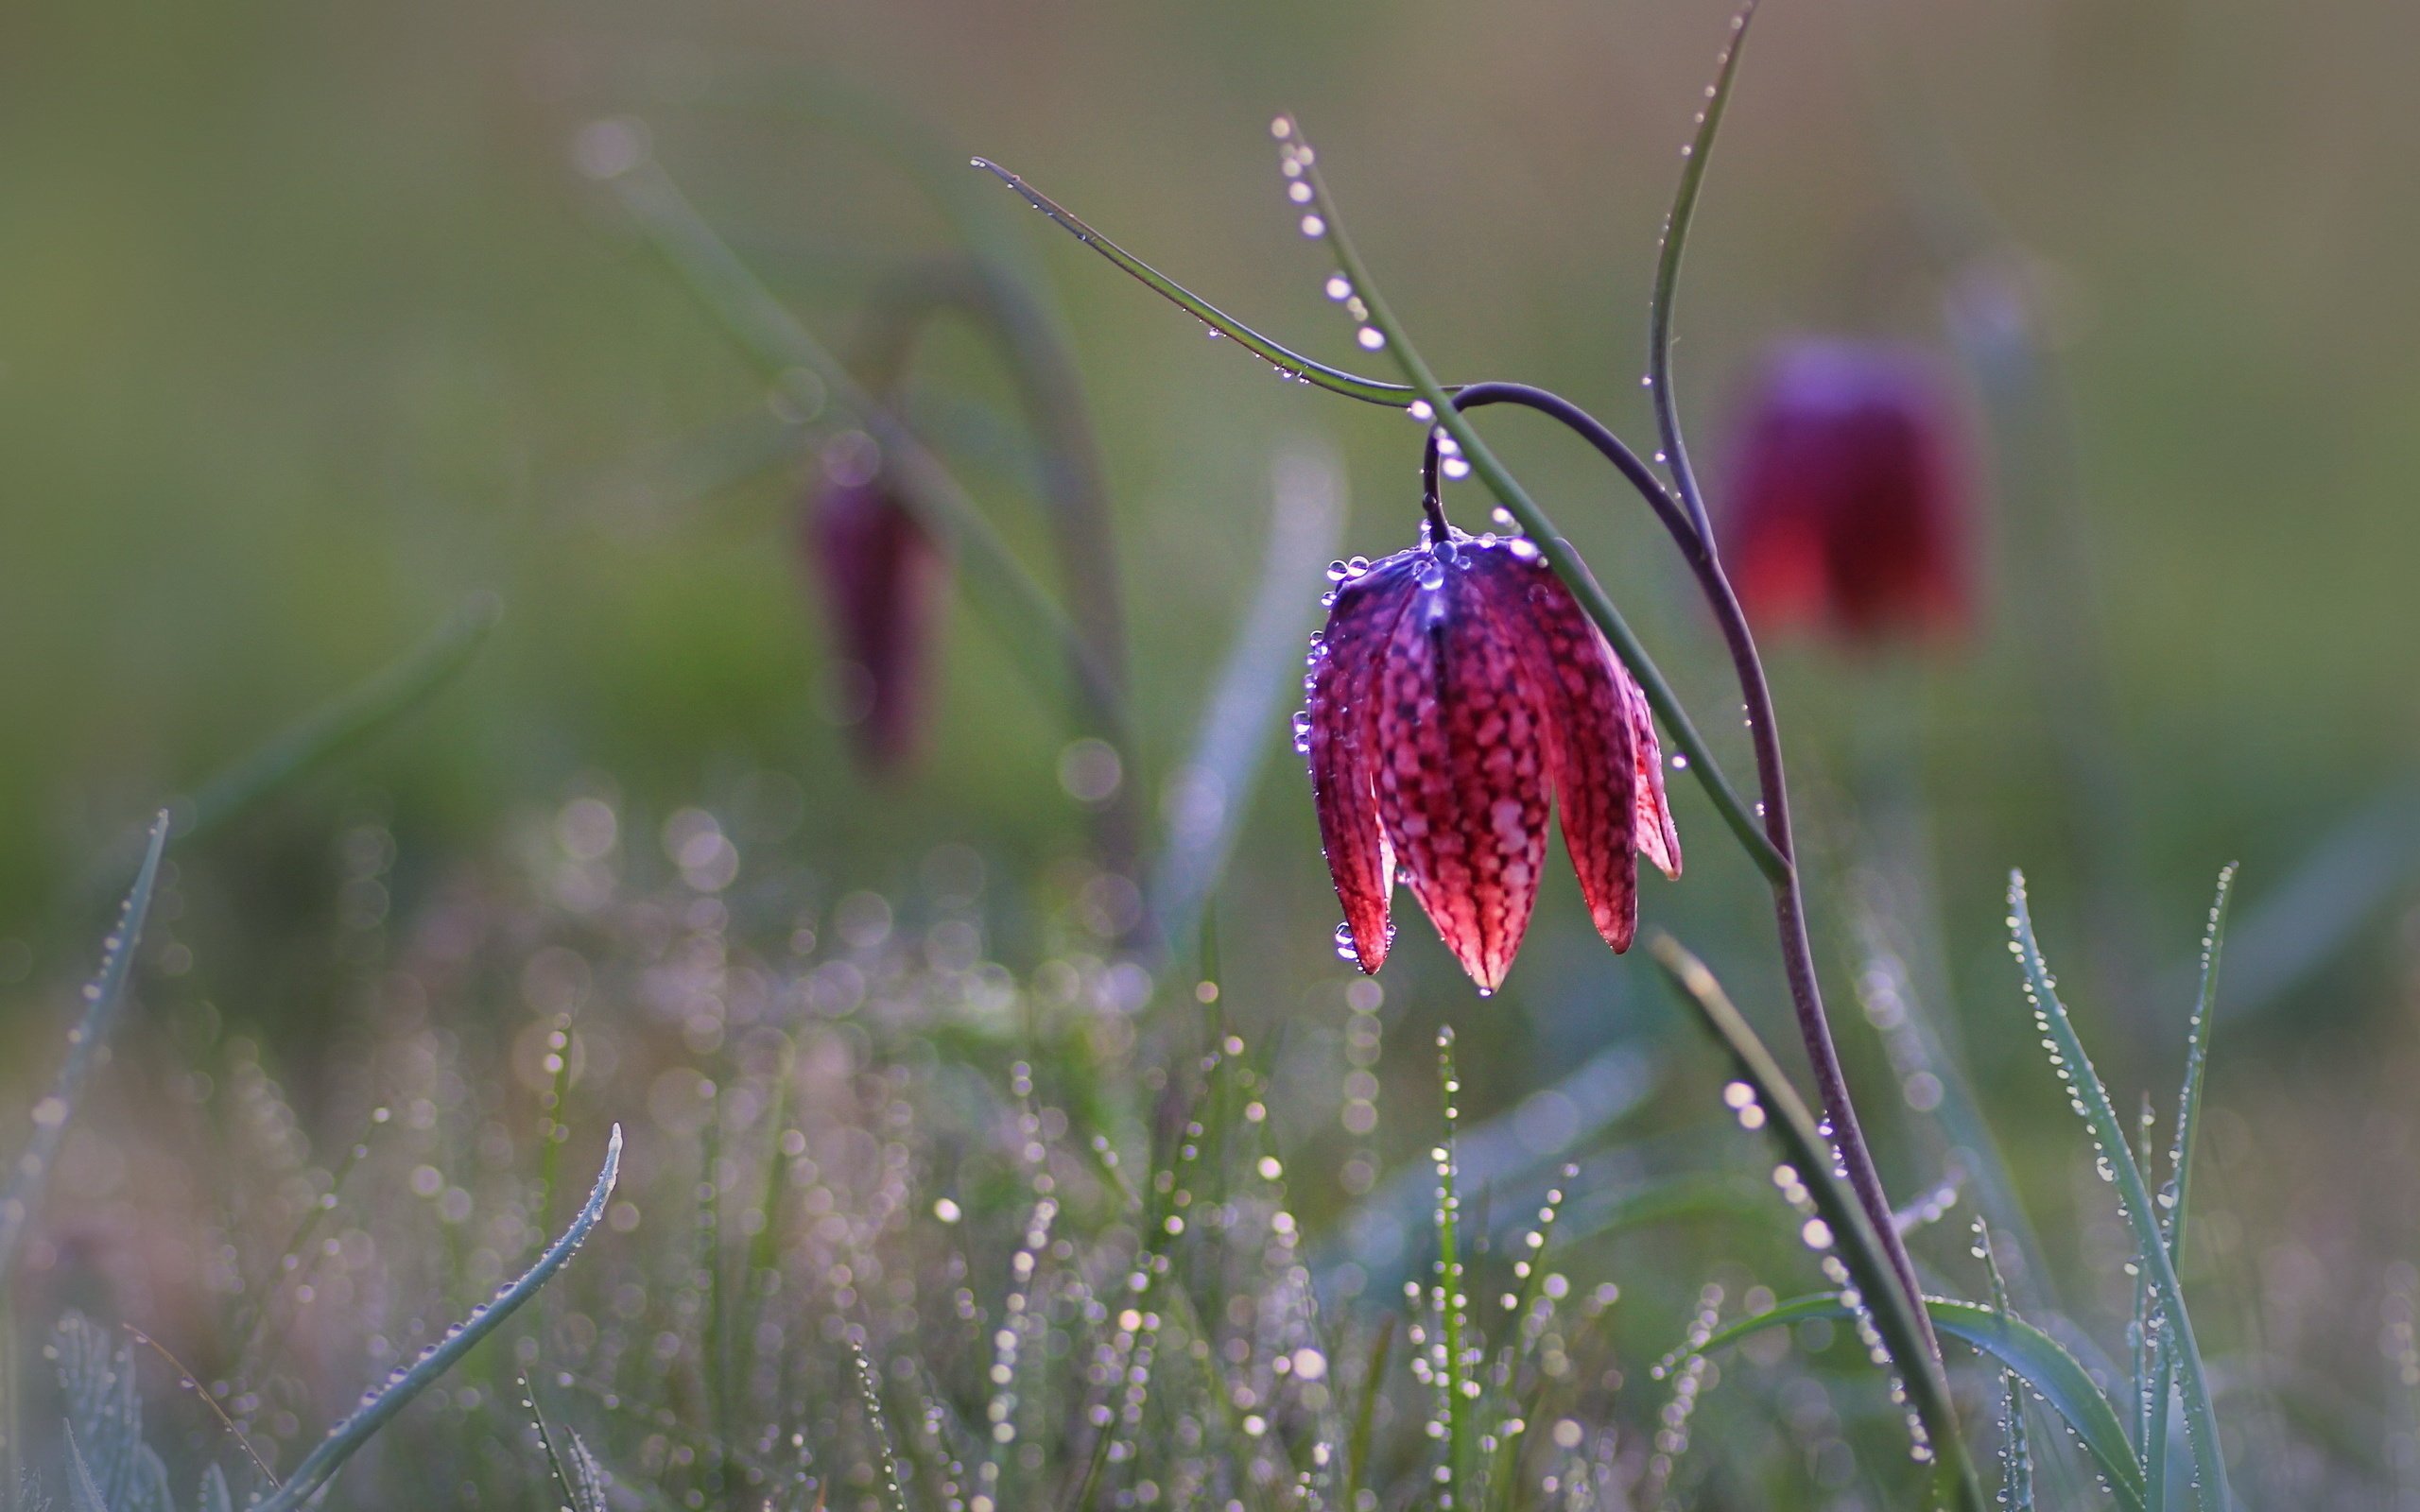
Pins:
x,y
1457,690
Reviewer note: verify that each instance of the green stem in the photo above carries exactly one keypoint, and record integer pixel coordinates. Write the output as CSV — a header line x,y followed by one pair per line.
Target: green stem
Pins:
x,y
1071,479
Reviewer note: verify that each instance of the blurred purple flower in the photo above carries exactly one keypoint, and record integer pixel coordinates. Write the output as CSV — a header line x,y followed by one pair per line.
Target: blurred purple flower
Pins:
x,y
1456,690
1850,499
882,580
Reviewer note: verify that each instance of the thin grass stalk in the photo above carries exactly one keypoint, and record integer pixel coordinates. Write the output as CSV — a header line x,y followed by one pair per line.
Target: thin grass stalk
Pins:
x,y
2016,1451
1374,1379
1336,380
1461,1398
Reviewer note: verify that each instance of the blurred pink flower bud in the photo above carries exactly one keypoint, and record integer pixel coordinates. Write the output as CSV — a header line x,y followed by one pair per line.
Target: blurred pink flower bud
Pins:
x,y
1850,502
883,581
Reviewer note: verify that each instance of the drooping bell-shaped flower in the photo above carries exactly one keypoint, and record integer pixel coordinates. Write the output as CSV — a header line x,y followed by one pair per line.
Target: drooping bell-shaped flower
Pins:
x,y
883,581
1849,498
1456,691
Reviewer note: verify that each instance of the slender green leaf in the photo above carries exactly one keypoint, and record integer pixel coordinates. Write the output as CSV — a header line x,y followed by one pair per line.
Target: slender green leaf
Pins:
x,y
2046,1366
1353,386
2116,1164
102,995
1668,274
1851,1235
381,1403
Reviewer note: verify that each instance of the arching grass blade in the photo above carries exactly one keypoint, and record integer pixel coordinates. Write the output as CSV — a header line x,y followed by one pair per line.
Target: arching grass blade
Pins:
x,y
348,720
102,996
380,1404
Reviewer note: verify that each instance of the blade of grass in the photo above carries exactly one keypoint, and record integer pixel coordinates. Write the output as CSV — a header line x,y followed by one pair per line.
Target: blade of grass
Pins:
x,y
2117,1165
1856,1245
2180,1183
893,1497
1668,275
346,721
1231,742
29,1173
1019,609
576,1474
1461,1390
381,1403
2045,1364
2016,1452
1365,1418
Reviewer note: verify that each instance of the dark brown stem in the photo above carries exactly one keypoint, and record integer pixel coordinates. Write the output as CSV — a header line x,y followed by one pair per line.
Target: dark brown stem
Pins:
x,y
1790,904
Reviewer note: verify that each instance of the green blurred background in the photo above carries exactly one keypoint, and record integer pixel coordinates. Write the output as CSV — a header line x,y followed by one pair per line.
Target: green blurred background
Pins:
x,y
309,328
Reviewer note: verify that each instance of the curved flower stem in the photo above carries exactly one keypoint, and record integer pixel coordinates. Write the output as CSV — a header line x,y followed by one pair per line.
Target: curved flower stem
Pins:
x,y
1668,277
1028,618
1072,482
1789,906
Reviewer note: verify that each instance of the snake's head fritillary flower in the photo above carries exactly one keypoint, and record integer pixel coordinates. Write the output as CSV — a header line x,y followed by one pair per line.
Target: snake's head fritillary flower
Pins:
x,y
1457,692
1849,497
882,580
